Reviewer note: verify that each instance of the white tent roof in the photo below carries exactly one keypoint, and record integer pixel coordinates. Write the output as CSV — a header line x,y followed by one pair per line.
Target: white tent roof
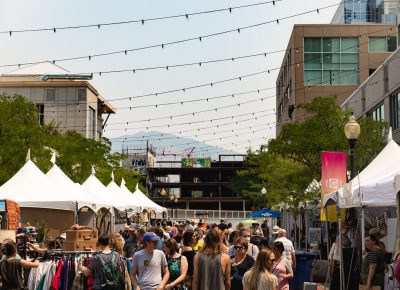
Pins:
x,y
77,193
374,185
95,187
147,202
126,196
31,188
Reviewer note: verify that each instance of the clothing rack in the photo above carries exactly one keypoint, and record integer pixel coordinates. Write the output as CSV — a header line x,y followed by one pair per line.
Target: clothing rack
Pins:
x,y
62,252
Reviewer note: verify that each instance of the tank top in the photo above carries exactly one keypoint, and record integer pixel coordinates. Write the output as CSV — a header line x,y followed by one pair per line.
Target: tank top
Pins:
x,y
211,276
11,274
189,256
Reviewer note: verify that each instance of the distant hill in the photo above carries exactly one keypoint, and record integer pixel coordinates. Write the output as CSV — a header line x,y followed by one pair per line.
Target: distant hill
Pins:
x,y
167,144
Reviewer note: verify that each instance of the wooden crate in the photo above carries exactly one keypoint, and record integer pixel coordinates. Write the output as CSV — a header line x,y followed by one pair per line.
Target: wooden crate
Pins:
x,y
89,245
81,235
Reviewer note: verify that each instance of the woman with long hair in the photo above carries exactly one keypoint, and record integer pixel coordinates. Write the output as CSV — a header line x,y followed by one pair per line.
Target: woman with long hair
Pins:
x,y
177,265
282,268
260,277
189,253
212,268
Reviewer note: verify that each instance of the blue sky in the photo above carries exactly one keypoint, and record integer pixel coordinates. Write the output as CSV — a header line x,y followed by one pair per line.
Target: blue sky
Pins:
x,y
271,37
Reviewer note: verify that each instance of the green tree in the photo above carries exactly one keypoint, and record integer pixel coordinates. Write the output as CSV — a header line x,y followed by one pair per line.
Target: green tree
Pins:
x,y
288,164
20,130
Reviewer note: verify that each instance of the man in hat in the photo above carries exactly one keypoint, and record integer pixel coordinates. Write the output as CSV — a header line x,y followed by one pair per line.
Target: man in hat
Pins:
x,y
274,236
131,244
257,231
149,266
222,225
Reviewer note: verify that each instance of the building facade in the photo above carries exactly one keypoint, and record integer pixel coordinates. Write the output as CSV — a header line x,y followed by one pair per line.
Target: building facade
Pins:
x,y
327,59
196,183
379,96
363,11
68,100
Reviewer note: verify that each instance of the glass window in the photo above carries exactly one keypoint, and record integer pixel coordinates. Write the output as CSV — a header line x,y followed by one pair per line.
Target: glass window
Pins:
x,y
331,44
312,61
349,77
395,111
331,61
392,43
382,44
92,123
349,44
312,44
337,64
378,114
40,113
312,77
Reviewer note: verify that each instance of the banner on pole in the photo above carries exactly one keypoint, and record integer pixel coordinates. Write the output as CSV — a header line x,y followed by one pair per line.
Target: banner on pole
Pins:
x,y
333,177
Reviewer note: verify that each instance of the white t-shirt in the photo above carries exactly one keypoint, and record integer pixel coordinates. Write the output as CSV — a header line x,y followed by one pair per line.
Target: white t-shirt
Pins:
x,y
148,268
289,249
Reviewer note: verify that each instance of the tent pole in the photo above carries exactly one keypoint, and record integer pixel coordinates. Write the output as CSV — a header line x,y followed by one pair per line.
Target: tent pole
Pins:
x,y
362,229
340,250
328,249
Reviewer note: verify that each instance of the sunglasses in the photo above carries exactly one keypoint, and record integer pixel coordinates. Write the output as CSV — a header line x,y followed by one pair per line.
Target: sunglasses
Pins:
x,y
238,247
272,260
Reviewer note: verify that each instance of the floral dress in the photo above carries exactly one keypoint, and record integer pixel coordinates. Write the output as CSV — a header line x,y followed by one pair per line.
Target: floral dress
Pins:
x,y
174,267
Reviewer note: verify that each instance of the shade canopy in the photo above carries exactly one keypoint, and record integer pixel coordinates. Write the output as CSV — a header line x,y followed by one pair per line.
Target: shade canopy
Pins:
x,y
374,186
125,195
146,202
30,187
77,193
95,187
265,213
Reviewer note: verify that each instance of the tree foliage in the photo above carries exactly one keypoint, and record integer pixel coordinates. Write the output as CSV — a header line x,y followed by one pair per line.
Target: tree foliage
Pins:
x,y
20,130
288,164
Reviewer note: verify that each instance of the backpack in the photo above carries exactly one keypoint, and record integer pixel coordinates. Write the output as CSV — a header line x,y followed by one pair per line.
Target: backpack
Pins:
x,y
111,274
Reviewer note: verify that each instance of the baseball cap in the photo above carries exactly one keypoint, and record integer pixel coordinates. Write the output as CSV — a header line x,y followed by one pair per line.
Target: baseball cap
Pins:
x,y
275,230
150,236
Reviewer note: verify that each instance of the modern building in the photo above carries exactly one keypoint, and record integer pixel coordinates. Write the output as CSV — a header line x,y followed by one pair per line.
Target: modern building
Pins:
x,y
379,96
66,99
197,184
328,59
363,11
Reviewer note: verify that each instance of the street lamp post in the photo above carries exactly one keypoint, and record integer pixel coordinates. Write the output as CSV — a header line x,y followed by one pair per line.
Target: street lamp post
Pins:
x,y
352,131
264,194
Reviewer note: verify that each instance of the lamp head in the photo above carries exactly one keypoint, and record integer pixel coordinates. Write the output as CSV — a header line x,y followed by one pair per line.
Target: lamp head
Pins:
x,y
163,192
171,197
352,129
263,191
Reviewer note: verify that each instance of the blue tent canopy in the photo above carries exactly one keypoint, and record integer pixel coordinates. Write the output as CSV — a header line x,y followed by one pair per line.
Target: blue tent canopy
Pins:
x,y
265,213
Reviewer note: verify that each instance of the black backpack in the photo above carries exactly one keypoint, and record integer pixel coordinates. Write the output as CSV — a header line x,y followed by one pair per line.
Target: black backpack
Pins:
x,y
111,273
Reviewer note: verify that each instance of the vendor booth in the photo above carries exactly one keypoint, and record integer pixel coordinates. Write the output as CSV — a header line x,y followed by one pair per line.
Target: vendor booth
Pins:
x,y
374,191
87,204
39,199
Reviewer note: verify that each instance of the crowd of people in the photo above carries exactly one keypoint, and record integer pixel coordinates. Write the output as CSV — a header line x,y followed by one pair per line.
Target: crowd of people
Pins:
x,y
178,256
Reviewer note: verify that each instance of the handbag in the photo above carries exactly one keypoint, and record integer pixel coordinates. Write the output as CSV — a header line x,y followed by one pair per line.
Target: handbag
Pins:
x,y
364,287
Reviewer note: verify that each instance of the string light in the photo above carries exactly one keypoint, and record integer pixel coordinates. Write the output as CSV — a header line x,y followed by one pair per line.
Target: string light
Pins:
x,y
177,41
142,21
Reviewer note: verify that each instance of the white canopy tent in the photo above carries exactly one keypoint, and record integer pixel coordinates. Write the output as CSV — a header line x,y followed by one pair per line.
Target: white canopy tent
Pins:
x,y
30,187
96,188
83,197
125,195
148,203
374,186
